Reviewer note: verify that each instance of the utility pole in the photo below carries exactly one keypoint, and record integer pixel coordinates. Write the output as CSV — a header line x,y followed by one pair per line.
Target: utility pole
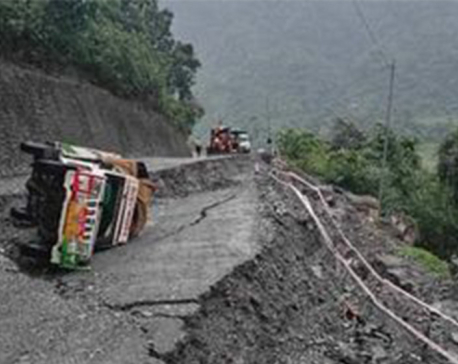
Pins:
x,y
269,130
387,130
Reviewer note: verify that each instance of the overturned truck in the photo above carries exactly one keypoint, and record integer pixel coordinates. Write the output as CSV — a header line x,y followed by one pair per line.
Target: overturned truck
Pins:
x,y
81,200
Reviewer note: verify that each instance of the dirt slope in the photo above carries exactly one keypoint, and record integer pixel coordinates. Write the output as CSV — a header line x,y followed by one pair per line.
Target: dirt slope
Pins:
x,y
289,304
41,107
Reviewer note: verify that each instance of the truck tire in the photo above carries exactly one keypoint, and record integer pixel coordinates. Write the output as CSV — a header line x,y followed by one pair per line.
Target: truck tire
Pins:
x,y
40,150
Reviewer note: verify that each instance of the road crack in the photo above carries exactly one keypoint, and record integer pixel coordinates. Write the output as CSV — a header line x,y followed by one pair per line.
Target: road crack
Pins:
x,y
204,211
203,214
151,303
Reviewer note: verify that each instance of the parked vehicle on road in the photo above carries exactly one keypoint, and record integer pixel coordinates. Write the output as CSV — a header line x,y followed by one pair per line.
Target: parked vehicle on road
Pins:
x,y
241,141
224,140
221,141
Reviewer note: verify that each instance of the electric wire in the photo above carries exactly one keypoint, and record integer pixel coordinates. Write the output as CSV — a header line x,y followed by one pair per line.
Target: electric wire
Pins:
x,y
380,49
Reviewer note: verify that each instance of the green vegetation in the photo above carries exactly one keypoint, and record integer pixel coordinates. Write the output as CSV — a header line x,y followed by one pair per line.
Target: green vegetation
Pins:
x,y
352,160
429,261
123,45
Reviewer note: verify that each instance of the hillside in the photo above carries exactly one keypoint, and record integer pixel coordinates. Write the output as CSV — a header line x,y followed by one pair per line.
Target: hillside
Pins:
x,y
314,60
126,47
40,107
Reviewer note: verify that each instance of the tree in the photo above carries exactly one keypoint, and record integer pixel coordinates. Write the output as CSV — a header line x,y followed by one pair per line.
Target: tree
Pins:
x,y
345,135
126,46
182,71
21,26
448,163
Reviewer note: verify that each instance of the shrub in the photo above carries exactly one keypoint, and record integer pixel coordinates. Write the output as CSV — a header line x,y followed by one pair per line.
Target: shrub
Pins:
x,y
428,199
427,260
123,45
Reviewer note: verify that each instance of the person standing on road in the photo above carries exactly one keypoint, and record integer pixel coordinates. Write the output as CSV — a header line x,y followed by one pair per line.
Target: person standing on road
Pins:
x,y
198,149
195,146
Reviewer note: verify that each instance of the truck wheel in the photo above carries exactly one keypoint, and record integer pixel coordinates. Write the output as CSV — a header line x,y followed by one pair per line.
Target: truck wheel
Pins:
x,y
40,150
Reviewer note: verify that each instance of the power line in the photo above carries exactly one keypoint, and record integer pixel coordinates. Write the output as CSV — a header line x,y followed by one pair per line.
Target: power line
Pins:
x,y
341,101
371,34
269,126
392,67
382,50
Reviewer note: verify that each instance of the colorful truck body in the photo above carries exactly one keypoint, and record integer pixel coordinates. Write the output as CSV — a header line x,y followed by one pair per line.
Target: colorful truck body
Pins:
x,y
92,197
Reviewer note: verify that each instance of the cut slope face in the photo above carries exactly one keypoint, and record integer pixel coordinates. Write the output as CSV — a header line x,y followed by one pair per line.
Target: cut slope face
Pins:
x,y
41,107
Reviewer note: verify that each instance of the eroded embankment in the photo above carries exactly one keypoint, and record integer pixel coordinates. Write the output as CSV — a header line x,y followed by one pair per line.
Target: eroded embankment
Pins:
x,y
41,107
291,304
203,175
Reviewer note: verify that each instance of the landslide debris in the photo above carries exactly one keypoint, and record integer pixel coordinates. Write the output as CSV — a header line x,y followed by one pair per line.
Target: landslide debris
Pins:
x,y
291,305
203,175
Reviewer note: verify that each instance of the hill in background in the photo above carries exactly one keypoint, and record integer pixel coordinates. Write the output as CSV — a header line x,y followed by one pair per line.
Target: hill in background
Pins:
x,y
314,60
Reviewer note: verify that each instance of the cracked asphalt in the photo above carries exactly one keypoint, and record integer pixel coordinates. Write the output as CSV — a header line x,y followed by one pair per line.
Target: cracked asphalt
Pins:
x,y
129,307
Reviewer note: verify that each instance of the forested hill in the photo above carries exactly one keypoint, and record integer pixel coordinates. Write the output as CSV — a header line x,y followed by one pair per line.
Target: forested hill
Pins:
x,y
315,60
125,46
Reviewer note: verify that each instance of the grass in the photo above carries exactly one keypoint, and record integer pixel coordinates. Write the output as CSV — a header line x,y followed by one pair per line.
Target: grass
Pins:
x,y
427,260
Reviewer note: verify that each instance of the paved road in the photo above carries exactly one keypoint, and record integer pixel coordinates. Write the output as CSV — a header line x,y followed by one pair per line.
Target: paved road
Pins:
x,y
161,163
129,307
186,253
15,185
